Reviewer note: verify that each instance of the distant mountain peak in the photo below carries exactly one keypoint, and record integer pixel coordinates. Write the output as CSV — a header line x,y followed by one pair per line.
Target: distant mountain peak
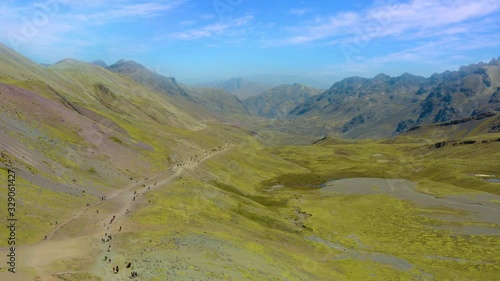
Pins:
x,y
127,66
407,74
147,77
381,77
494,61
67,60
100,63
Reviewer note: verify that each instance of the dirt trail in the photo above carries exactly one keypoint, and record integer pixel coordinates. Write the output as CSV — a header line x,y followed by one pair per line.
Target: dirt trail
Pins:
x,y
50,250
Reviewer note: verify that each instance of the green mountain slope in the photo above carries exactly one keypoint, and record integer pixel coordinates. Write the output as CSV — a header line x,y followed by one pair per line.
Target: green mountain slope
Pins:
x,y
481,124
75,127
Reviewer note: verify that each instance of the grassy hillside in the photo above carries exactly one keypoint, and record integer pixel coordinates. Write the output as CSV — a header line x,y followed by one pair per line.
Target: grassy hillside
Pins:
x,y
80,130
460,128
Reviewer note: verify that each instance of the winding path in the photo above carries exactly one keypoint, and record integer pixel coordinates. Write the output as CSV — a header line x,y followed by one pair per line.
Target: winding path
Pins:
x,y
49,250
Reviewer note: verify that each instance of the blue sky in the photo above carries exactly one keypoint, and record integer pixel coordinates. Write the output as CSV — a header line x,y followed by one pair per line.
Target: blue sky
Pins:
x,y
202,40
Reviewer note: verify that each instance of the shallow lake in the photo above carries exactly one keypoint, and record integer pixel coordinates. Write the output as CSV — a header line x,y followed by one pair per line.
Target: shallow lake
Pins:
x,y
480,207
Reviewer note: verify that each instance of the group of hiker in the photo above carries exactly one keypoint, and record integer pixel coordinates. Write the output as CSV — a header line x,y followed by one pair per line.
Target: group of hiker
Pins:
x,y
116,270
133,274
107,239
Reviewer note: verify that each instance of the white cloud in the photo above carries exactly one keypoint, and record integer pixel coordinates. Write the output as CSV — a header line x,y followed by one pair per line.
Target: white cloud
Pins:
x,y
56,21
446,53
430,52
407,19
128,12
230,27
146,9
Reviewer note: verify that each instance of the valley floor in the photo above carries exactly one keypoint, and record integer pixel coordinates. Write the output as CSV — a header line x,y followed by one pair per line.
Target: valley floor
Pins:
x,y
329,211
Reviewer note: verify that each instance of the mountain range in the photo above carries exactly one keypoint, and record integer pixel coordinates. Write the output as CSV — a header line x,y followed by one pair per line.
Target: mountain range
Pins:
x,y
385,106
354,107
379,107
